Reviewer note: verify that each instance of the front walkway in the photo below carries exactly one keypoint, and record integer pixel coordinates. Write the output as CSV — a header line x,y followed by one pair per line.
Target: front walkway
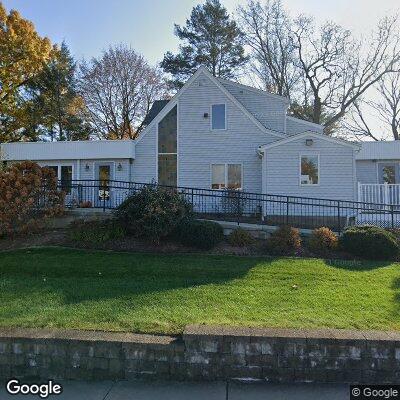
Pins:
x,y
153,390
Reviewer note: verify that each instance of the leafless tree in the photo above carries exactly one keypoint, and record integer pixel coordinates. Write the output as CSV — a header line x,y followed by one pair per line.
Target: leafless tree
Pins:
x,y
267,30
324,70
338,69
387,108
118,89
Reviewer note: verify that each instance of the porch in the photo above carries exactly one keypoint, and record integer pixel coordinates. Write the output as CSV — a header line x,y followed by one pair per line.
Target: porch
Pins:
x,y
379,193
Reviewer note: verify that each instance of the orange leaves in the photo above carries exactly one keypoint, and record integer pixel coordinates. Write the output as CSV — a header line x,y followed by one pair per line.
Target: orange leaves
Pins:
x,y
28,196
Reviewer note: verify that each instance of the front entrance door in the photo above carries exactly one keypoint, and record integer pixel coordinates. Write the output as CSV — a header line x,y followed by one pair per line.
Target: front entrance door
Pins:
x,y
103,191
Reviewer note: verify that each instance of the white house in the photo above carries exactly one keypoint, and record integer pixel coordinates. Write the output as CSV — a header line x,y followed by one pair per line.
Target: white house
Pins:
x,y
213,134
217,134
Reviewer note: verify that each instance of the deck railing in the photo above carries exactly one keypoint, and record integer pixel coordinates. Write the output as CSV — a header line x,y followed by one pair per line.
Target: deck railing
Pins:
x,y
242,207
379,193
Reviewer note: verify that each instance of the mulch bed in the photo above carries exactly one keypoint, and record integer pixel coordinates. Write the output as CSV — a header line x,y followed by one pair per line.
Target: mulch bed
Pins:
x,y
60,238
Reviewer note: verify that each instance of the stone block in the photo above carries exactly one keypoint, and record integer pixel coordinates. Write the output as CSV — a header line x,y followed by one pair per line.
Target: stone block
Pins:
x,y
243,372
17,348
253,349
278,374
105,350
5,348
238,347
293,362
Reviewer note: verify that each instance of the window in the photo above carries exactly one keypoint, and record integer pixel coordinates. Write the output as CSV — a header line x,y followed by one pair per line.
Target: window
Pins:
x,y
309,170
218,176
167,168
389,174
54,168
63,173
226,176
218,120
66,178
167,149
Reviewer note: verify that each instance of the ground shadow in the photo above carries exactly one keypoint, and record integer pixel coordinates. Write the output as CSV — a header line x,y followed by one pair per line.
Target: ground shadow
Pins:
x,y
357,265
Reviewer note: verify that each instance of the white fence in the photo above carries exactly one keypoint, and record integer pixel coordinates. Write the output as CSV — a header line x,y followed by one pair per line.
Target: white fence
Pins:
x,y
379,193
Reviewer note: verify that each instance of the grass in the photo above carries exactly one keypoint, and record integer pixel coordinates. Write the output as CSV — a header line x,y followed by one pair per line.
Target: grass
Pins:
x,y
78,289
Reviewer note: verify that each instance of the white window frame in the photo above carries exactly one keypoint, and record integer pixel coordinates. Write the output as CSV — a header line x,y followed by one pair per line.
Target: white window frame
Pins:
x,y
211,119
226,174
59,169
301,155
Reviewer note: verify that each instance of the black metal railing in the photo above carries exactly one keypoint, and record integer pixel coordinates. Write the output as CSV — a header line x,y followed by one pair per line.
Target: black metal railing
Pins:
x,y
242,207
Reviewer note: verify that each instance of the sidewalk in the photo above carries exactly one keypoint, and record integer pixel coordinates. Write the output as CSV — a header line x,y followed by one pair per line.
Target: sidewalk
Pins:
x,y
148,390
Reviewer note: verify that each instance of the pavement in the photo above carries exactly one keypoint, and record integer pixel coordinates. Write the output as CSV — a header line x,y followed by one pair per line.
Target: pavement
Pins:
x,y
149,390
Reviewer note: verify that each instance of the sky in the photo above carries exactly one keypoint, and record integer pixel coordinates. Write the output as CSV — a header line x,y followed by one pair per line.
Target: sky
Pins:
x,y
88,26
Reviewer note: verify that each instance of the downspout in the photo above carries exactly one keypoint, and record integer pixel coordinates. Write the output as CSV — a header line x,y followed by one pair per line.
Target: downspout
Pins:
x,y
262,153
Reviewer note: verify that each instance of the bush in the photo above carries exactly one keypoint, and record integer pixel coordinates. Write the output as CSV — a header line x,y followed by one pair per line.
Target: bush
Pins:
x,y
370,242
28,196
153,212
240,238
95,232
322,241
284,241
200,234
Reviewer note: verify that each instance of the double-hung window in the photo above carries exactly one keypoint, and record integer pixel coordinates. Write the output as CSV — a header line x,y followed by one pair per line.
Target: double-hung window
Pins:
x,y
218,117
226,176
309,169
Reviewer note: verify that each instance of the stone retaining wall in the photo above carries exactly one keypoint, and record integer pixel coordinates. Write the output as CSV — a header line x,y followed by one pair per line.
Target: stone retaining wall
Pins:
x,y
203,353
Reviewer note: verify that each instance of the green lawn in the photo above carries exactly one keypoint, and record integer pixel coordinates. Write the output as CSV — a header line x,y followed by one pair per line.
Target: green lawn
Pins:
x,y
80,289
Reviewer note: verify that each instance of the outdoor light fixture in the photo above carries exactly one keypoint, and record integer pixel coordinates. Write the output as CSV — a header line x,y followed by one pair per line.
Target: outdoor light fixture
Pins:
x,y
205,115
87,167
119,168
309,142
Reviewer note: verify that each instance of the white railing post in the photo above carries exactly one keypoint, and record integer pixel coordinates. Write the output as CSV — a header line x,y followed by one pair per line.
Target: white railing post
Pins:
x,y
359,197
386,193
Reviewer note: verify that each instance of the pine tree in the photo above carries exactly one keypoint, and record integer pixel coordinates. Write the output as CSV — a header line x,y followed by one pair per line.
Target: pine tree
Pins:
x,y
56,103
210,38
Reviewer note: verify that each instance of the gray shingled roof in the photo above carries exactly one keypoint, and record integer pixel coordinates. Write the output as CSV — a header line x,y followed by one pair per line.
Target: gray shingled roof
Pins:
x,y
155,109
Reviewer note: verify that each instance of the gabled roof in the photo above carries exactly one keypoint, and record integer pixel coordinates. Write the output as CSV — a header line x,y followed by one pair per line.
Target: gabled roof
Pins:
x,y
305,122
205,71
255,90
307,135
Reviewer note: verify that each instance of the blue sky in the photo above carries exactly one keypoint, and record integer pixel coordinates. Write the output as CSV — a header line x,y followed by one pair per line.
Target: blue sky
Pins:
x,y
88,26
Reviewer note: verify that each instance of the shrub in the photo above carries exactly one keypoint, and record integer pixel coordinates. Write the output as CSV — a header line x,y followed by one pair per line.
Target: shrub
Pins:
x,y
200,234
240,238
322,241
28,196
370,242
153,212
284,241
95,232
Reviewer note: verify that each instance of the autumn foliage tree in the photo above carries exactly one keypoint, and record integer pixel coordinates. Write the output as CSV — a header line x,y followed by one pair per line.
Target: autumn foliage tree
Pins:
x,y
28,196
23,54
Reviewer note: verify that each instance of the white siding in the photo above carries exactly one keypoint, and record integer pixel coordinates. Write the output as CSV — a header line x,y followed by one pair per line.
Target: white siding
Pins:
x,y
389,150
336,174
366,171
199,146
268,109
145,164
89,149
91,173
295,125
